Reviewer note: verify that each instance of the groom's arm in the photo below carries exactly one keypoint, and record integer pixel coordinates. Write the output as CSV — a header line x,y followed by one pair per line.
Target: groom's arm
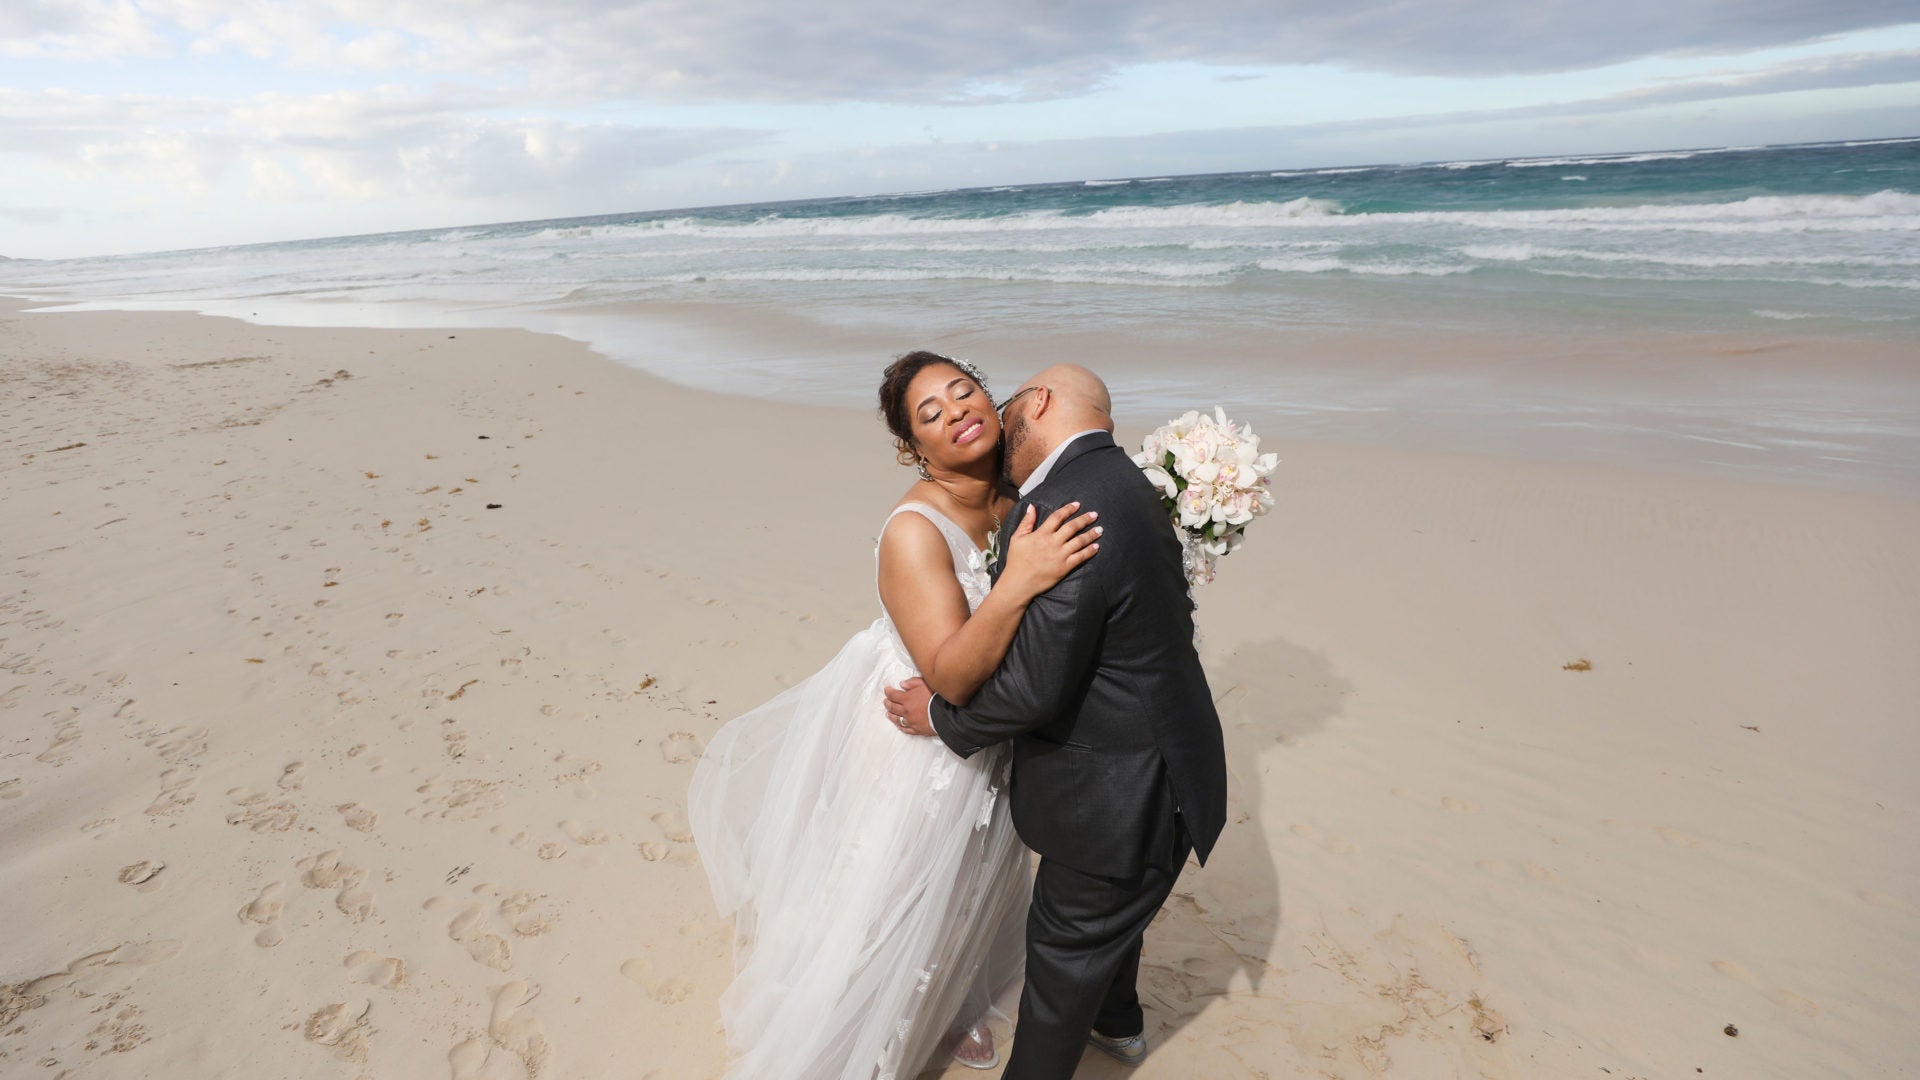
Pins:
x,y
1047,664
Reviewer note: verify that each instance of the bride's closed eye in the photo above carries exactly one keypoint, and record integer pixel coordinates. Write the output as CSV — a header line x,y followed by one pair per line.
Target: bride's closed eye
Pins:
x,y
930,417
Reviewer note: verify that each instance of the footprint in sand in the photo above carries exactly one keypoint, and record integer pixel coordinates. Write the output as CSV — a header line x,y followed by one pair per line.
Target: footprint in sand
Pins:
x,y
176,791
552,850
143,875
342,1028
515,1041
654,852
516,840
578,775
673,823
518,909
680,747
457,800
264,910
1174,988
358,817
589,835
258,814
95,974
385,972
326,871
177,747
19,664
355,904
491,950
59,751
292,777
671,990
12,789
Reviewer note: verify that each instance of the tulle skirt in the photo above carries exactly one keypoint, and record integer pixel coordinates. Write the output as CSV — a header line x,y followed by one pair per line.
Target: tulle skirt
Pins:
x,y
877,886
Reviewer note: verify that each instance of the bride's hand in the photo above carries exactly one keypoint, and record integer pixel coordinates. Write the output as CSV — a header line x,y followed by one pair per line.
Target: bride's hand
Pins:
x,y
1038,556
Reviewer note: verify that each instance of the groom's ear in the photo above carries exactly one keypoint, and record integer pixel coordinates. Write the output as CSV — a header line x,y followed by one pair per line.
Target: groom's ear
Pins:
x,y
1042,401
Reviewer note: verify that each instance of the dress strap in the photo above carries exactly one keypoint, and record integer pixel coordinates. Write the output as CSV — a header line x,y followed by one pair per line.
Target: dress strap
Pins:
x,y
968,560
958,541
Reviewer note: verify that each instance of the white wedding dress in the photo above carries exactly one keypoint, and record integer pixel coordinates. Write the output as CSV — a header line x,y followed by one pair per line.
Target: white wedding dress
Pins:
x,y
878,889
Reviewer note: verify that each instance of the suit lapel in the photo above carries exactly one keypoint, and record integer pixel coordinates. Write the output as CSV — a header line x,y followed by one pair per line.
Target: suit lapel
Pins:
x,y
1077,449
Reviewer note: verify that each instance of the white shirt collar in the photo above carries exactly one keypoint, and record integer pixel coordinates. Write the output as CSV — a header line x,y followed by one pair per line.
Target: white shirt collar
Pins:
x,y
1040,474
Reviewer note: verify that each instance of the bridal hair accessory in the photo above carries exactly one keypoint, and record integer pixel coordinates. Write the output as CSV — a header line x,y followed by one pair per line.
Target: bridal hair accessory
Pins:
x,y
973,373
1213,481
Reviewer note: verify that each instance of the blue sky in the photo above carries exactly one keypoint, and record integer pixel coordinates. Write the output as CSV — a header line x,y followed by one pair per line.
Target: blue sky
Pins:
x,y
134,125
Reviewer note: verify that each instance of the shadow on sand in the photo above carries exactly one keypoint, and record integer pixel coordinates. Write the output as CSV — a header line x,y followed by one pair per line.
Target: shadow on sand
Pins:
x,y
1220,924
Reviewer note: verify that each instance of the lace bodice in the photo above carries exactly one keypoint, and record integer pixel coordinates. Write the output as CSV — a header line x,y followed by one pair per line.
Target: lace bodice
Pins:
x,y
969,562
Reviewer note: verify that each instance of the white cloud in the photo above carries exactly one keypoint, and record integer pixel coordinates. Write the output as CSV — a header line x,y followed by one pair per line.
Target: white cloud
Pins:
x,y
182,162
360,145
497,159
272,182
355,114
890,50
77,30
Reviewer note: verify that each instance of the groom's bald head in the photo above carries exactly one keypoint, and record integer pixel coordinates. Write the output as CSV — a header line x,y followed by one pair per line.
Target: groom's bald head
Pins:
x,y
1053,406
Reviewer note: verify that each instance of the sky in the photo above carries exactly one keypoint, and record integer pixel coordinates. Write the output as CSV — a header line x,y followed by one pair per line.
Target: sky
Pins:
x,y
143,125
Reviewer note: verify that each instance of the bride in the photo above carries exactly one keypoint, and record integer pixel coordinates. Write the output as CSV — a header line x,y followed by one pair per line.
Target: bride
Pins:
x,y
877,887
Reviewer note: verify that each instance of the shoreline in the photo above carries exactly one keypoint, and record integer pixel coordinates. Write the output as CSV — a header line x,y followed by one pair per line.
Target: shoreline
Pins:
x,y
414,767
1823,411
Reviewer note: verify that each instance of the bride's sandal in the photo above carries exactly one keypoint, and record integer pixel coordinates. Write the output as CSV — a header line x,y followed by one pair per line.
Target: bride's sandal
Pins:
x,y
979,1037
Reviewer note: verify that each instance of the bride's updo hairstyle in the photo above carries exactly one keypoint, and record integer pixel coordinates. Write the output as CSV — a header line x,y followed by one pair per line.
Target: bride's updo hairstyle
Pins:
x,y
893,396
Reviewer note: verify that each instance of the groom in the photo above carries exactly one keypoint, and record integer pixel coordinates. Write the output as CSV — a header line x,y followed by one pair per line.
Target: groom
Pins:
x,y
1118,767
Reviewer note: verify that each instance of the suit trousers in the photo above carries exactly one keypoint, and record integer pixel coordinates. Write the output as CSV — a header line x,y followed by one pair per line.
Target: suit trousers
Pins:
x,y
1084,933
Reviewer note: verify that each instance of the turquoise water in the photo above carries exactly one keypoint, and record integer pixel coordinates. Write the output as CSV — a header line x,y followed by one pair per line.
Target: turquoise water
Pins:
x,y
1818,241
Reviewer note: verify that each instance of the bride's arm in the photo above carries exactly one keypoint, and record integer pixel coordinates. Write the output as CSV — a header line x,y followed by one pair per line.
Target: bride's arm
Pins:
x,y
954,652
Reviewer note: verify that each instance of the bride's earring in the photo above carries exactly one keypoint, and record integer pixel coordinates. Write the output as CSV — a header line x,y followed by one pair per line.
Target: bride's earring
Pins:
x,y
921,468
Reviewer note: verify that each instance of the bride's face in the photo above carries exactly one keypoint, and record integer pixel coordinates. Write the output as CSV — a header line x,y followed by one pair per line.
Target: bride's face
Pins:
x,y
954,423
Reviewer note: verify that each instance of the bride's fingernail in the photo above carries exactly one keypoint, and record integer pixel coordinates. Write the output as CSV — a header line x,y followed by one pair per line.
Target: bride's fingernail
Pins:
x,y
1098,529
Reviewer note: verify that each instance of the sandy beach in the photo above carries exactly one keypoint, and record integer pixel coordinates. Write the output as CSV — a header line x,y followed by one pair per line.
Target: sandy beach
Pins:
x,y
351,680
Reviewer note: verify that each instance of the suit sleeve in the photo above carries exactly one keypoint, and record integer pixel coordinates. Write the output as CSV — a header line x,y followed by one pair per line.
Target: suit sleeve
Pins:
x,y
1050,657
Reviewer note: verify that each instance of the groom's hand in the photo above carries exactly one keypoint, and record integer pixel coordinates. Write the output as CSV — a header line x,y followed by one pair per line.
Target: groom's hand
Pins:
x,y
907,707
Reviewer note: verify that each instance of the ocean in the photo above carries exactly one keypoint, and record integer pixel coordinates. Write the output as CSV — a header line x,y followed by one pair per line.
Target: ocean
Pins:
x,y
1503,302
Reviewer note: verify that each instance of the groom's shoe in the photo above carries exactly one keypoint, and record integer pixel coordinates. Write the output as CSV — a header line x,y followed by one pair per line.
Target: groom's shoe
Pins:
x,y
1130,1050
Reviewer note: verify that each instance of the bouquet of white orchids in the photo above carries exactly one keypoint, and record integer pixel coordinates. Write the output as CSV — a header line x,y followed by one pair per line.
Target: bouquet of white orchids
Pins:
x,y
1212,479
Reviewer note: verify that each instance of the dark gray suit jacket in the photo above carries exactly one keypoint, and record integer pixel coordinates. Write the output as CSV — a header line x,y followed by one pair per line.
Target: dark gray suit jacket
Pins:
x,y
1101,693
